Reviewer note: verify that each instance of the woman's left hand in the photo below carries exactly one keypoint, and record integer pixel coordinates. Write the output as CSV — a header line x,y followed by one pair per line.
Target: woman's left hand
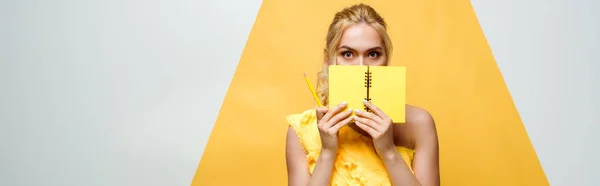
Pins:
x,y
379,126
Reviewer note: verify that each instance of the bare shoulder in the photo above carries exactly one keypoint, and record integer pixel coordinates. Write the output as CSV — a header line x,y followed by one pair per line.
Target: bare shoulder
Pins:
x,y
293,145
419,117
419,125
420,131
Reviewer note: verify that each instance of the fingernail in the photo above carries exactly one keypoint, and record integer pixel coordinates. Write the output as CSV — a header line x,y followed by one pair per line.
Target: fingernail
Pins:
x,y
356,110
343,103
364,100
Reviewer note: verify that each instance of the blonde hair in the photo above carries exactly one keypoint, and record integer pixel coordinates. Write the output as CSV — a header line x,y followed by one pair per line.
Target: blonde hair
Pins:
x,y
346,18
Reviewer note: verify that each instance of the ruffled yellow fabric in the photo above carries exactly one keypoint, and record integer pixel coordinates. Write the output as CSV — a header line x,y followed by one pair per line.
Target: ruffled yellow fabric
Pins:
x,y
357,163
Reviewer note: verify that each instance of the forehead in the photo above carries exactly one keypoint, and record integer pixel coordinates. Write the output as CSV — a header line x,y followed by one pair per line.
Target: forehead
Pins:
x,y
360,37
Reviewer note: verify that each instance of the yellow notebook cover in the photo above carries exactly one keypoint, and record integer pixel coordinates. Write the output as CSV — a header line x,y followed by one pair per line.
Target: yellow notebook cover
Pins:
x,y
384,86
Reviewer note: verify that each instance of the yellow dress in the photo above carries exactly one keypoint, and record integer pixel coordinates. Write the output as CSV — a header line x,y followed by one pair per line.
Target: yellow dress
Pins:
x,y
356,163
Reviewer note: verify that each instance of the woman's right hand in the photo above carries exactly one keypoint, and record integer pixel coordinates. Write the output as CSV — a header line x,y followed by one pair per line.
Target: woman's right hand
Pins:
x,y
329,122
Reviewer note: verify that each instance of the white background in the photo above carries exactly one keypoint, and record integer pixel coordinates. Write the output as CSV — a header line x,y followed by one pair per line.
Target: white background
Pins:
x,y
115,92
549,55
126,92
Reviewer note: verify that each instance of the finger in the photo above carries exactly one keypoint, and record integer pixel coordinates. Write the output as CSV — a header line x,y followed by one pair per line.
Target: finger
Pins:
x,y
366,128
369,115
375,109
339,117
370,123
333,111
340,124
321,112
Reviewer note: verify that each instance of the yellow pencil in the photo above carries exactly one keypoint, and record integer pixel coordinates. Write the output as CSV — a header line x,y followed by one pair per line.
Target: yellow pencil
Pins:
x,y
312,91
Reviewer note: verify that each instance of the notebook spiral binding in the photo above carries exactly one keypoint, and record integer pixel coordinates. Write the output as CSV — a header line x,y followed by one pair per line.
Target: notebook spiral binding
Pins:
x,y
368,84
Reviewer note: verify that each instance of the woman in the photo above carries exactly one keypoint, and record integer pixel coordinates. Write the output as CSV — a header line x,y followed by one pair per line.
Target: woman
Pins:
x,y
371,150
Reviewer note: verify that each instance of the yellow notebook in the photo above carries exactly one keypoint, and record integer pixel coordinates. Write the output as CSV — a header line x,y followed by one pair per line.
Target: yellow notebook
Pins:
x,y
384,86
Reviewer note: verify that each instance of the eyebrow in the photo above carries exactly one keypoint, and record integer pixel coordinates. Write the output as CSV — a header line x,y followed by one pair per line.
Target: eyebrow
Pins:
x,y
349,48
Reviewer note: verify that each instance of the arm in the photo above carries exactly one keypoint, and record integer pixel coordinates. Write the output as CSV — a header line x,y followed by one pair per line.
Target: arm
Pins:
x,y
426,163
297,167
426,160
323,169
397,169
329,124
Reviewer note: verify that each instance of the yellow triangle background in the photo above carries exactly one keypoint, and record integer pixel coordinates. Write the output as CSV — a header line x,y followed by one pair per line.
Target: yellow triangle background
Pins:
x,y
450,71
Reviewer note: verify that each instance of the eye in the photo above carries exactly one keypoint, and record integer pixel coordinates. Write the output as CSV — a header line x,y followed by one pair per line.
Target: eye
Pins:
x,y
347,54
373,54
